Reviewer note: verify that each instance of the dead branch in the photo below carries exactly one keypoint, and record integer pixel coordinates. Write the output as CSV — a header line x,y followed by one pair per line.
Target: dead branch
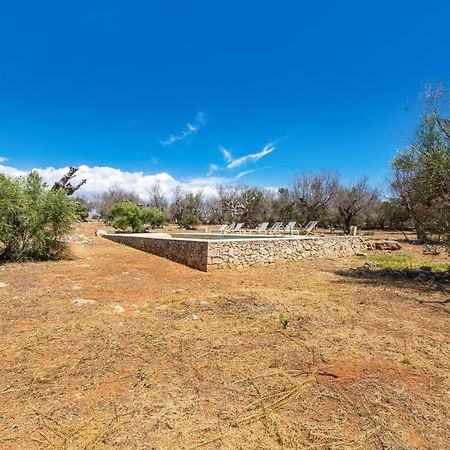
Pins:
x,y
64,182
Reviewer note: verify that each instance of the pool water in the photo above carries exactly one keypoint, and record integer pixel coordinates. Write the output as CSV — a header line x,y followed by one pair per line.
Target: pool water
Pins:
x,y
215,237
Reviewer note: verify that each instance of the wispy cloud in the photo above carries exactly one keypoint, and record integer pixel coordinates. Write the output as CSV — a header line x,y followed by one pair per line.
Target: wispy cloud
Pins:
x,y
3,159
190,129
243,174
226,154
243,160
212,168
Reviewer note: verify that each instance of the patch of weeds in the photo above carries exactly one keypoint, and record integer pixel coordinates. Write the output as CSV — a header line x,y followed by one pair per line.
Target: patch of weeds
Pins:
x,y
369,233
406,357
283,320
404,262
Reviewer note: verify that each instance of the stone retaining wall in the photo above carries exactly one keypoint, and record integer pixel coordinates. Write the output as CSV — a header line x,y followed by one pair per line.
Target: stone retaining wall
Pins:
x,y
237,254
204,255
190,253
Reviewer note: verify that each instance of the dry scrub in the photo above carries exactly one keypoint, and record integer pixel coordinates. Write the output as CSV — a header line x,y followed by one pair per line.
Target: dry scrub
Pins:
x,y
115,348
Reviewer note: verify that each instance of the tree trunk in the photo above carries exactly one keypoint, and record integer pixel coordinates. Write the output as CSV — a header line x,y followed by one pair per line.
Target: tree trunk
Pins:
x,y
64,182
421,233
347,224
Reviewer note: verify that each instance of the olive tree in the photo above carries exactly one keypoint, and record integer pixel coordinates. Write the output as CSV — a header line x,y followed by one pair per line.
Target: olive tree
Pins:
x,y
352,201
125,215
187,208
250,205
107,200
312,193
33,219
422,170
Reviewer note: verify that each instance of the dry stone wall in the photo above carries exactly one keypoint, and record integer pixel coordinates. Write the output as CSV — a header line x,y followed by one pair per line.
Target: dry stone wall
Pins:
x,y
205,255
237,254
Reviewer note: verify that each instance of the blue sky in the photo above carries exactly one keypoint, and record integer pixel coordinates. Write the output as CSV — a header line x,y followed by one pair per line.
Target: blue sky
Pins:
x,y
168,87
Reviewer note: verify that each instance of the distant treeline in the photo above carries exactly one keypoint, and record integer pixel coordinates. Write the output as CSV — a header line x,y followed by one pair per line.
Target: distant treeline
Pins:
x,y
418,195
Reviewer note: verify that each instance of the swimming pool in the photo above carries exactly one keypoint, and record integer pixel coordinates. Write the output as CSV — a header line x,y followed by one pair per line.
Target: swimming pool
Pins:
x,y
215,237
205,251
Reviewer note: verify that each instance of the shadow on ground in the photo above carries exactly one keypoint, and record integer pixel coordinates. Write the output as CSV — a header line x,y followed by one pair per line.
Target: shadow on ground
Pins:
x,y
427,279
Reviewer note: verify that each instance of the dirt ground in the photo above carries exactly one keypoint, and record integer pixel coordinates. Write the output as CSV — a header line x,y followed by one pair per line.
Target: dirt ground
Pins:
x,y
115,348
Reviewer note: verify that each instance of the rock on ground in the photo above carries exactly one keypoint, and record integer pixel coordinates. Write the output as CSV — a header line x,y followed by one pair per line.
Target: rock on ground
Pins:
x,y
83,301
386,245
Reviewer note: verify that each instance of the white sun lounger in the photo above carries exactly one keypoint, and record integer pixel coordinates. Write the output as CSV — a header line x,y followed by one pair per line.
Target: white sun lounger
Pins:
x,y
310,227
230,227
261,229
289,228
221,229
276,227
237,228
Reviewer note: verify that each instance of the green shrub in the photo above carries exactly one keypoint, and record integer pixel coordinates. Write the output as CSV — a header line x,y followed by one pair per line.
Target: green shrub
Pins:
x,y
81,209
154,217
189,221
33,219
125,215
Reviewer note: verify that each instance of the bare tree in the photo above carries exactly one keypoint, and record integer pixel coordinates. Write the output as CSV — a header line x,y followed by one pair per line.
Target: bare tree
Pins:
x,y
186,203
250,205
352,201
177,205
157,198
213,211
312,193
256,206
230,202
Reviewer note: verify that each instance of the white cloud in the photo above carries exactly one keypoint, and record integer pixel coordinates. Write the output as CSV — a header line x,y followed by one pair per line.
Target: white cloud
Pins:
x,y
243,174
212,168
191,128
226,154
232,163
3,159
100,179
253,157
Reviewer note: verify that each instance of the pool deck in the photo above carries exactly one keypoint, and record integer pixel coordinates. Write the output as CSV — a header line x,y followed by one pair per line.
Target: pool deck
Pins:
x,y
225,237
218,252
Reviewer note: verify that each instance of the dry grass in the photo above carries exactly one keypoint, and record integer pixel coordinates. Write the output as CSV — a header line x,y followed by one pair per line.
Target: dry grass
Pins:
x,y
201,360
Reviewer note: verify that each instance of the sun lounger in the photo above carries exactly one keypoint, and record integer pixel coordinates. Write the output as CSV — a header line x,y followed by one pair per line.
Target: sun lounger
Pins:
x,y
261,229
237,228
289,228
310,227
276,227
230,227
221,229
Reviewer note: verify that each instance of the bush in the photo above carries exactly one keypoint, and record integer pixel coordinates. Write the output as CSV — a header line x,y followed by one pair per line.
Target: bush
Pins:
x,y
125,215
155,217
81,209
107,200
33,219
189,221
